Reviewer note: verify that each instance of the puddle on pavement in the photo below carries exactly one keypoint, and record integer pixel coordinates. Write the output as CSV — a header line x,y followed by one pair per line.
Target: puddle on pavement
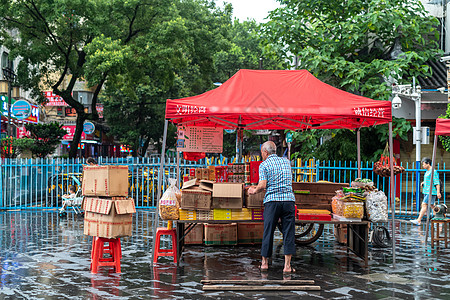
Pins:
x,y
45,257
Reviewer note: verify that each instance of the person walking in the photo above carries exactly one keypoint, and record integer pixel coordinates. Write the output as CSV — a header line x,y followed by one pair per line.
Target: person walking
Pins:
x,y
435,192
275,175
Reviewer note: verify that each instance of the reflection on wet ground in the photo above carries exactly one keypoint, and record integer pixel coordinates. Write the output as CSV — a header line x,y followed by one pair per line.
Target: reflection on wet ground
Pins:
x,y
44,257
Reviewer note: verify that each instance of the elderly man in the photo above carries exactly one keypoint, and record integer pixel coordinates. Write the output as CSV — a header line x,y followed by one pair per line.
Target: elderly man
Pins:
x,y
275,175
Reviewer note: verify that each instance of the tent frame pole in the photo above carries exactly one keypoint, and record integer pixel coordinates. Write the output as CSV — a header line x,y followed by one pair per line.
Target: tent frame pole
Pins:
x,y
358,150
431,190
392,183
159,184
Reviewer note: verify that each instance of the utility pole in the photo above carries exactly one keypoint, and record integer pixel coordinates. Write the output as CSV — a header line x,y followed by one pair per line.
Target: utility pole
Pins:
x,y
9,75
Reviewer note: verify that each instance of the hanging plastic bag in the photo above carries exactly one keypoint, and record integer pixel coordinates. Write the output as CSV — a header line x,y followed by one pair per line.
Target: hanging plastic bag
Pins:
x,y
169,204
382,167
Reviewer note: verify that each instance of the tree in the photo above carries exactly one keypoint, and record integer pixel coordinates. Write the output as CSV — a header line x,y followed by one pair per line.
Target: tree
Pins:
x,y
349,44
245,51
174,60
62,41
46,137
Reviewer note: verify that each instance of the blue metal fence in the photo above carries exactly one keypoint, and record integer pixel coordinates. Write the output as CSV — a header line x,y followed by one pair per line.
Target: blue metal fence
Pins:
x,y
40,183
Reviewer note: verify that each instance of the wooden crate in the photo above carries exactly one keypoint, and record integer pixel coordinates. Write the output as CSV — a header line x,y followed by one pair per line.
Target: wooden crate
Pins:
x,y
314,200
318,187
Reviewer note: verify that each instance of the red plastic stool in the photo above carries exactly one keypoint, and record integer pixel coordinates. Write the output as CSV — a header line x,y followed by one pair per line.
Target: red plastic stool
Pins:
x,y
98,249
107,249
165,252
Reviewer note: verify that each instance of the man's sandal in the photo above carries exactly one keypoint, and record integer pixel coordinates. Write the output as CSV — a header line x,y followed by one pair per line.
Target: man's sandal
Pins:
x,y
291,271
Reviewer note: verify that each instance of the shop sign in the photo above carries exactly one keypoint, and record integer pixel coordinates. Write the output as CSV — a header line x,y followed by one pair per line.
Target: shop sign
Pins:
x,y
20,109
99,108
200,139
54,100
71,132
289,137
22,132
88,128
71,112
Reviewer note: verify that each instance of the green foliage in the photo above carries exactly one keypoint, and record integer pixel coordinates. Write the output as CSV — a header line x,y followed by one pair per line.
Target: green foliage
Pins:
x,y
347,43
244,51
305,143
445,140
62,41
174,60
340,144
23,144
46,137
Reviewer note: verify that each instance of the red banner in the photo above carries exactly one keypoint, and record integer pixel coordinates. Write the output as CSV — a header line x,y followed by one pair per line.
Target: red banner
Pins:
x,y
71,132
54,100
22,132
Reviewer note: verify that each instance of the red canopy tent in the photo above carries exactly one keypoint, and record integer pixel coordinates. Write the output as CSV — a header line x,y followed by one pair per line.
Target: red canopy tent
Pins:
x,y
279,99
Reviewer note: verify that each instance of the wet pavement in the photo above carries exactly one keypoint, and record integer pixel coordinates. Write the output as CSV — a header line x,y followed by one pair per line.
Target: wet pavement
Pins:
x,y
45,257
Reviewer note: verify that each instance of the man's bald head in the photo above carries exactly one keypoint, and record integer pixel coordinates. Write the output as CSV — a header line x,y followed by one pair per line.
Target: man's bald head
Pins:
x,y
269,147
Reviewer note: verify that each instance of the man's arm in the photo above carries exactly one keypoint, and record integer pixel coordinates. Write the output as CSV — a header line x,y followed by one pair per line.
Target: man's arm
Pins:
x,y
261,186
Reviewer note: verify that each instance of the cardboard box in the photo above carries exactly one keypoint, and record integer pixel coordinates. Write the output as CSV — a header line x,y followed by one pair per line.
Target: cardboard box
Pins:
x,y
190,183
207,185
205,174
227,195
250,233
241,214
340,232
198,173
108,218
187,214
105,181
221,234
254,201
205,215
195,198
195,236
221,173
257,214
212,173
222,214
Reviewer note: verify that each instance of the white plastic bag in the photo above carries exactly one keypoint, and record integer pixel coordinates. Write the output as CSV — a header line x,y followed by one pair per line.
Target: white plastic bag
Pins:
x,y
169,204
376,206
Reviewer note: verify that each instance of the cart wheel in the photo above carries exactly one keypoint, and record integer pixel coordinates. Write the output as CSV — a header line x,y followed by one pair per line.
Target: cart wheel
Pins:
x,y
307,233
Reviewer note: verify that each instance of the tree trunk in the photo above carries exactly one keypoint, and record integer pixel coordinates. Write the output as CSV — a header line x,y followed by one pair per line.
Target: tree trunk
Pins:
x,y
145,147
81,117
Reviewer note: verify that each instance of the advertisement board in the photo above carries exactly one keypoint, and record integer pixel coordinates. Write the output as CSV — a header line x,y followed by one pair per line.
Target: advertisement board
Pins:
x,y
71,132
200,139
20,110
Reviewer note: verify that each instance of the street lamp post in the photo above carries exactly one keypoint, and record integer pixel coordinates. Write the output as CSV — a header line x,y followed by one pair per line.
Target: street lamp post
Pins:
x,y
9,75
414,93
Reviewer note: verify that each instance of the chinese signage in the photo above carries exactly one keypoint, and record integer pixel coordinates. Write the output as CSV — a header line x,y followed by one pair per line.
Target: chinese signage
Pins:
x,y
71,112
200,139
71,132
21,110
22,132
88,127
53,99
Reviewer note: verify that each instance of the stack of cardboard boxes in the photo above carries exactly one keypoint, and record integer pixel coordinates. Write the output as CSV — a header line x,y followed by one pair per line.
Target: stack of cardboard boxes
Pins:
x,y
209,200
108,210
